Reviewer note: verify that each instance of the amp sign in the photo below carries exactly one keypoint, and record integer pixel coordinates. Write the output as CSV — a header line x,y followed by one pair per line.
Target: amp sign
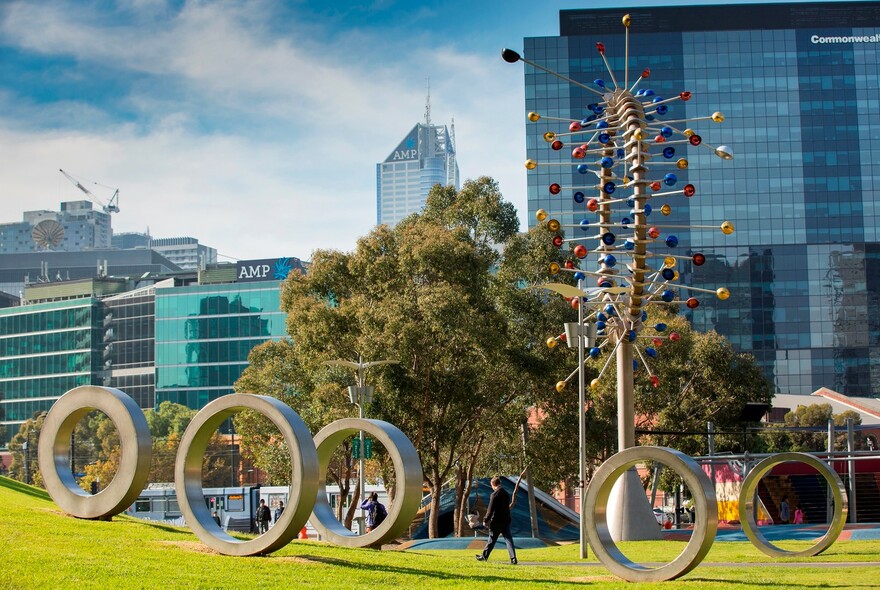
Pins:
x,y
269,269
408,149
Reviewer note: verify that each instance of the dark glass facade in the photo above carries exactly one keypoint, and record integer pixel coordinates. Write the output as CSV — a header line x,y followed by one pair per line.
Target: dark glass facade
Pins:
x,y
798,85
130,340
204,334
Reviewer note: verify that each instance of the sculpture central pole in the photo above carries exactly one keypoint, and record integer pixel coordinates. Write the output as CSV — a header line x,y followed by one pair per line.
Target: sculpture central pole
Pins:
x,y
626,430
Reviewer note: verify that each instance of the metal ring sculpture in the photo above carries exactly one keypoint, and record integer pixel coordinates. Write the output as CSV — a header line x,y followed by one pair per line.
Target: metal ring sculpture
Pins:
x,y
747,505
408,484
303,476
705,503
54,451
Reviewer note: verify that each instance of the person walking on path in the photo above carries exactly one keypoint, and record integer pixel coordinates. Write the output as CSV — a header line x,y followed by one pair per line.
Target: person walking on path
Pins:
x,y
278,511
498,521
263,516
784,515
376,511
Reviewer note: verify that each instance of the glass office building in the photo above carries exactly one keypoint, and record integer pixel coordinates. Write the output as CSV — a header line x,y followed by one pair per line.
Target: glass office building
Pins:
x,y
798,85
425,157
45,350
183,338
204,334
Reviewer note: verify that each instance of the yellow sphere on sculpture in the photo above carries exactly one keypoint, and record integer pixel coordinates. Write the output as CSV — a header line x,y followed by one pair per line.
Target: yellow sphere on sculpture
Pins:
x,y
531,164
717,117
560,386
534,117
551,342
553,225
625,20
688,132
682,164
722,293
665,209
727,228
594,384
549,137
540,215
669,262
554,268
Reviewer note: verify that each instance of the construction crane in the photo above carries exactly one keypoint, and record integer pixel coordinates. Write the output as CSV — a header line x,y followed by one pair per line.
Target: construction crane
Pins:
x,y
111,207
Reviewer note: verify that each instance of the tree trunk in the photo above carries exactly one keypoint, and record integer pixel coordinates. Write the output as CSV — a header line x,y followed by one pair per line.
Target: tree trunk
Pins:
x,y
352,508
435,510
343,493
463,484
462,491
435,483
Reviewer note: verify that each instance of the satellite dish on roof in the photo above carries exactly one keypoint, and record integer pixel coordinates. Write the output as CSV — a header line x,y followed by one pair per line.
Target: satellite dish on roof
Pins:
x,y
48,234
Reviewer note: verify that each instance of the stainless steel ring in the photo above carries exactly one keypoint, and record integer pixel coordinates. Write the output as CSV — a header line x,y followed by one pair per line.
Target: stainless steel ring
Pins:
x,y
747,505
303,476
705,504
407,485
54,451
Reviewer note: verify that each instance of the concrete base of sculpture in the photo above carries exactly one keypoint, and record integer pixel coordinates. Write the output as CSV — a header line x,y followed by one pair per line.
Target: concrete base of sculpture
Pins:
x,y
630,517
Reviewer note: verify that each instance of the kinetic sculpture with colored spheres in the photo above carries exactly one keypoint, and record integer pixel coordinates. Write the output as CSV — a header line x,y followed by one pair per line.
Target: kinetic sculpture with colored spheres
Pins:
x,y
617,143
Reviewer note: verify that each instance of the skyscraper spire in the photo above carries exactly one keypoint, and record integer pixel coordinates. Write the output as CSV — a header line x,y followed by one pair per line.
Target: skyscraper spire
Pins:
x,y
428,103
452,134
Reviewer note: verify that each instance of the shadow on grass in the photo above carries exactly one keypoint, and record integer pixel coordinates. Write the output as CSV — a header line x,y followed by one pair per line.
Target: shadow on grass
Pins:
x,y
178,529
160,526
408,571
23,488
727,581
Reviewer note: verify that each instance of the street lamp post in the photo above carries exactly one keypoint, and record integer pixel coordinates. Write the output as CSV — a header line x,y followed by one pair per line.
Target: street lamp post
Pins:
x,y
232,457
360,395
579,332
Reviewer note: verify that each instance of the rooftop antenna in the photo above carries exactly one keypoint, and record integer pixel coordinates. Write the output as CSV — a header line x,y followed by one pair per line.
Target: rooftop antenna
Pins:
x,y
452,134
428,103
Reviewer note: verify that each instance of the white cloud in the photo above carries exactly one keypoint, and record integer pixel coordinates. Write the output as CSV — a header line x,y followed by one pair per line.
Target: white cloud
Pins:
x,y
257,144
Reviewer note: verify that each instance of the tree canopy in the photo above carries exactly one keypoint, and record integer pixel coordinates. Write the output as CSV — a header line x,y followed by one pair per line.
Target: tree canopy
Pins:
x,y
434,294
805,429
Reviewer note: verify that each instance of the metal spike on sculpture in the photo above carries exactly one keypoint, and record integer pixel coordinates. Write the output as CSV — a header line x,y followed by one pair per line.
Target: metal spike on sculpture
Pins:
x,y
619,147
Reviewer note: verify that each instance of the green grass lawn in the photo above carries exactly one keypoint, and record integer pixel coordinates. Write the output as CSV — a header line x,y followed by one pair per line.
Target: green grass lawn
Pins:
x,y
40,547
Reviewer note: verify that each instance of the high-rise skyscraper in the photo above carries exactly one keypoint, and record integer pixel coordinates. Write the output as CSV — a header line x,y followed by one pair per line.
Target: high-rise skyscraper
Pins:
x,y
425,157
797,84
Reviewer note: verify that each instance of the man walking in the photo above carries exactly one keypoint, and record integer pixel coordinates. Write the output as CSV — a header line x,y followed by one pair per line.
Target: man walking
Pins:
x,y
263,515
498,521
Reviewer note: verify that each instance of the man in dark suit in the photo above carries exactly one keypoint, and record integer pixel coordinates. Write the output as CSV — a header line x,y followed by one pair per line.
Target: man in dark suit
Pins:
x,y
498,521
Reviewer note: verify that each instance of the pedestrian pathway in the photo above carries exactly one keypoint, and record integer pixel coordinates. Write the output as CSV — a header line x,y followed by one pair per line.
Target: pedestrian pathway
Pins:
x,y
773,533
786,532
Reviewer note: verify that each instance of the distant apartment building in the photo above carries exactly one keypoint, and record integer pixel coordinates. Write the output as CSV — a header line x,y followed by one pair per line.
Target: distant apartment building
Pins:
x,y
76,227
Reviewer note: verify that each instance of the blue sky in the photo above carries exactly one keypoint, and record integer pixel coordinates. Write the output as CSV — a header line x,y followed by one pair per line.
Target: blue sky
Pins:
x,y
254,126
